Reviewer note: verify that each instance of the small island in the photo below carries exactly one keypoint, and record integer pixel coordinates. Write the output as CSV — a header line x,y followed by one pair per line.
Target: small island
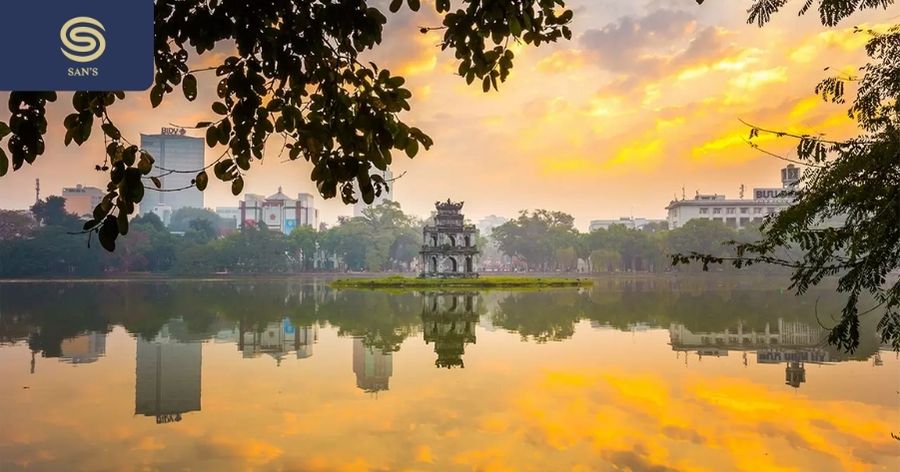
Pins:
x,y
480,282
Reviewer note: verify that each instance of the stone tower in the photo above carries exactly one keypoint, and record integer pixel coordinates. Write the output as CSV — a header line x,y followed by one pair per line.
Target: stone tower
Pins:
x,y
449,248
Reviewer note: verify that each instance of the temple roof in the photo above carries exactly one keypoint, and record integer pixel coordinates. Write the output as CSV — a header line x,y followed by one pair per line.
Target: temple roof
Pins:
x,y
279,196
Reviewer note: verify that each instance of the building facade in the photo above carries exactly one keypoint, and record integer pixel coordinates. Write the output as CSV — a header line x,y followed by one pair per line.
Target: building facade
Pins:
x,y
386,195
81,200
173,151
449,248
736,213
279,212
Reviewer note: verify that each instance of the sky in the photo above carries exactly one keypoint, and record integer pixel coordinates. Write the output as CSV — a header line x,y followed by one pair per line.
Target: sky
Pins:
x,y
644,101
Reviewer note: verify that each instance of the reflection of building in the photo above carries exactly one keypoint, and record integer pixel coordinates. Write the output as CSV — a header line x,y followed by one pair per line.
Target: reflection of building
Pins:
x,y
373,367
449,246
173,151
794,374
279,212
81,200
449,322
168,377
793,343
277,339
387,194
83,349
735,213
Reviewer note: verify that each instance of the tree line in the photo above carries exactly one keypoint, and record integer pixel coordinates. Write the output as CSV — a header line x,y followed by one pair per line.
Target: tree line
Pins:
x,y
197,241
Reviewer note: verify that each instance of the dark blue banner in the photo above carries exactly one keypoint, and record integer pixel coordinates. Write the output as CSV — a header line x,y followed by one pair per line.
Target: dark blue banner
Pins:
x,y
76,45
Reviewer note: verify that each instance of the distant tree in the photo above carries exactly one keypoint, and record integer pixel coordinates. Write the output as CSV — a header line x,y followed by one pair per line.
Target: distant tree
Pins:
x,y
15,224
150,219
304,241
51,211
536,236
200,231
181,219
605,260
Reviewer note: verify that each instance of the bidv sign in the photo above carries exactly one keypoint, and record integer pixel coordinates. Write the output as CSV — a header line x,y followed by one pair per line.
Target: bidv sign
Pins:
x,y
76,45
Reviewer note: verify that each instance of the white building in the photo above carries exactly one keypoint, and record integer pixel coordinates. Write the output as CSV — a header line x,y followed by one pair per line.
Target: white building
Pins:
x,y
386,195
626,221
735,213
173,151
279,212
81,200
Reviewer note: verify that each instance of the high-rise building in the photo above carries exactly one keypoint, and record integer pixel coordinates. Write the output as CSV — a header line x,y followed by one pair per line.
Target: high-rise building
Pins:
x,y
372,366
279,212
386,195
167,377
173,151
81,200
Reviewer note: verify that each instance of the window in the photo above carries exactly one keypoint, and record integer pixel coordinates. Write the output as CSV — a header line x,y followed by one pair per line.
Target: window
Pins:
x,y
717,211
744,211
729,211
704,211
757,210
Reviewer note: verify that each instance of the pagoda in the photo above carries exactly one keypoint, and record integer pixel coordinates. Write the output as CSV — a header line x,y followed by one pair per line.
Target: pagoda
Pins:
x,y
449,249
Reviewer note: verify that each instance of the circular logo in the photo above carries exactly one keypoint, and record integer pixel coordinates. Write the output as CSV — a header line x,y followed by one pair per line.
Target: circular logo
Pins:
x,y
82,39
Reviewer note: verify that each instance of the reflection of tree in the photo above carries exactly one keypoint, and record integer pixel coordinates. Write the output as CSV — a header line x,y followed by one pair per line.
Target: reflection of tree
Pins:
x,y
382,320
449,322
541,316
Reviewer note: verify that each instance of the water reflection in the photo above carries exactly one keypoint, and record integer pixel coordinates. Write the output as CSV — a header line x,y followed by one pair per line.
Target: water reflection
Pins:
x,y
168,374
631,374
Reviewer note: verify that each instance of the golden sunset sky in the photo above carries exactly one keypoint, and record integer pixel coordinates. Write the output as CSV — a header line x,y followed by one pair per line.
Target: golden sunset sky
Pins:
x,y
643,100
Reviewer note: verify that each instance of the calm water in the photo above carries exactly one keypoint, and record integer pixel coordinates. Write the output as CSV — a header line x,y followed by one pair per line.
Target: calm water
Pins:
x,y
292,375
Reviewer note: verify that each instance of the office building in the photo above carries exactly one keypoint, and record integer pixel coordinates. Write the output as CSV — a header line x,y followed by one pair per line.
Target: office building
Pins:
x,y
279,212
84,348
168,377
173,151
735,213
81,200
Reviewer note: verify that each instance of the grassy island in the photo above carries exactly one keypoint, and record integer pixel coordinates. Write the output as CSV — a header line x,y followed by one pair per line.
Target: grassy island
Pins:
x,y
480,282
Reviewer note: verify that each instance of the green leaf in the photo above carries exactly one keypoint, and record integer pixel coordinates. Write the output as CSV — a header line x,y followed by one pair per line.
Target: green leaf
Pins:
x,y
4,163
237,186
412,148
212,136
108,233
414,5
156,96
189,87
395,5
219,108
122,222
156,182
4,129
202,180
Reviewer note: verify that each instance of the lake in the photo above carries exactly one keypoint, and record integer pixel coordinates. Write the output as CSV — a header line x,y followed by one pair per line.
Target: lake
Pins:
x,y
656,374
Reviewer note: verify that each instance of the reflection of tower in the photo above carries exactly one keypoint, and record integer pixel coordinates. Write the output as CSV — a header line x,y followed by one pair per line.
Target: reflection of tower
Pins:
x,y
449,322
84,348
277,339
373,367
794,374
168,377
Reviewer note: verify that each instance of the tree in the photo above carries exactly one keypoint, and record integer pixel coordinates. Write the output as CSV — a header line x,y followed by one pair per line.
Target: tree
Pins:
x,y
292,69
181,219
537,236
200,231
51,211
847,205
15,225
